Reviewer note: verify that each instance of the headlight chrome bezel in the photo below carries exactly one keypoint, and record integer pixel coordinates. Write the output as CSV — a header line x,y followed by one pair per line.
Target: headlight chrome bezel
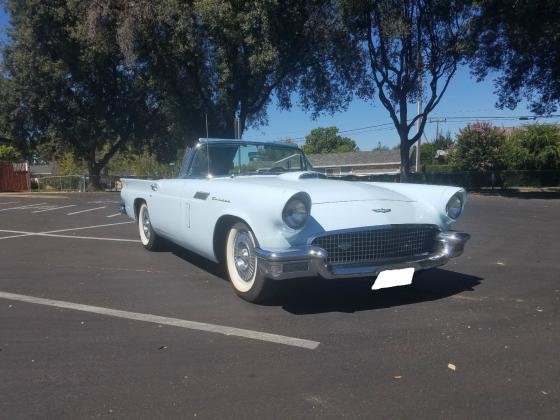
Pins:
x,y
292,214
454,206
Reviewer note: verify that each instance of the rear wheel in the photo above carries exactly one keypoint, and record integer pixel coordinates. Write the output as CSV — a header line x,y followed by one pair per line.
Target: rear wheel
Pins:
x,y
148,237
242,265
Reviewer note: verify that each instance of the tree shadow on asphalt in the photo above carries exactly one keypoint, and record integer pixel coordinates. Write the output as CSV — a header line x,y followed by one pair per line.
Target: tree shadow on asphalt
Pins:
x,y
316,295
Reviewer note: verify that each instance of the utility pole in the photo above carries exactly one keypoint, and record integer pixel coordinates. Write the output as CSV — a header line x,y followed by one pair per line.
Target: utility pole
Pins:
x,y
437,121
419,120
237,128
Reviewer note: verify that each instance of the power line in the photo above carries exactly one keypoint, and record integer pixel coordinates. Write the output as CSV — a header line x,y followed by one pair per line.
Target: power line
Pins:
x,y
436,120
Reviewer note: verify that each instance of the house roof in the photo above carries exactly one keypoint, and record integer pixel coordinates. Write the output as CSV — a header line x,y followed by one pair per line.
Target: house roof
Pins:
x,y
374,157
42,169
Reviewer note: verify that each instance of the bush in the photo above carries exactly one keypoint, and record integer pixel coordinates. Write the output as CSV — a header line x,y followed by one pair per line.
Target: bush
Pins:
x,y
9,153
437,168
479,147
534,147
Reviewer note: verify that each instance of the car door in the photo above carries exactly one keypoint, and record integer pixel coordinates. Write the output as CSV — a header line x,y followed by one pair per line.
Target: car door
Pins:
x,y
169,209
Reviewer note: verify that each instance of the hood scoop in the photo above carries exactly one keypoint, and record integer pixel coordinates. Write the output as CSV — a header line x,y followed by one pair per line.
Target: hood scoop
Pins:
x,y
294,176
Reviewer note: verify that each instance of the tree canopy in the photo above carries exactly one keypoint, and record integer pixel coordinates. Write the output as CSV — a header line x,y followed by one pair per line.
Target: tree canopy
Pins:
x,y
413,48
521,42
72,87
229,58
327,140
92,77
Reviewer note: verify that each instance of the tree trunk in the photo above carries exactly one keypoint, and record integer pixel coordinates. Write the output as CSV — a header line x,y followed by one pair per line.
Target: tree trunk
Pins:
x,y
94,171
405,159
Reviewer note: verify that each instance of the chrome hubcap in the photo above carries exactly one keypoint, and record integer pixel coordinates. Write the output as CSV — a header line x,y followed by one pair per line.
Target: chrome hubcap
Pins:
x,y
146,223
244,255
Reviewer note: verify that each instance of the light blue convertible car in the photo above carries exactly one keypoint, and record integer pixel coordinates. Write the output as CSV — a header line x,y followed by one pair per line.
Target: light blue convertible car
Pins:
x,y
261,210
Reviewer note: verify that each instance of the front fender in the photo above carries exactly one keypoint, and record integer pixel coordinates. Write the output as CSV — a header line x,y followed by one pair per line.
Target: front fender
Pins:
x,y
434,196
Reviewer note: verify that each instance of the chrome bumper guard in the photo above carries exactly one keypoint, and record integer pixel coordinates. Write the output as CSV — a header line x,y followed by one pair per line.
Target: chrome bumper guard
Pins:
x,y
309,260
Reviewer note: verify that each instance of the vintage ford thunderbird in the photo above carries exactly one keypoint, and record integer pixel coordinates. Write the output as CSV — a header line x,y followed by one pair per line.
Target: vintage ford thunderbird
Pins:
x,y
261,211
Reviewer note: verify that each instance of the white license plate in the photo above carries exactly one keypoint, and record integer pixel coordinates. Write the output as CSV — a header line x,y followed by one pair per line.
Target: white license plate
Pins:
x,y
392,278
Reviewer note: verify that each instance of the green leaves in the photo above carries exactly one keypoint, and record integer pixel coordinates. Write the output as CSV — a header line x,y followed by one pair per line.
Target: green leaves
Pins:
x,y
520,41
9,153
535,146
327,140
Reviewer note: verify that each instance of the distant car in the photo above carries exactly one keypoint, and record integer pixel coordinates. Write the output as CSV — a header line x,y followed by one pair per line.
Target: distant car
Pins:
x,y
261,210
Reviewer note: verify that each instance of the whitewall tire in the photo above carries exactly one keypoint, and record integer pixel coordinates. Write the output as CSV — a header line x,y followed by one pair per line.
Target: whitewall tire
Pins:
x,y
242,265
148,236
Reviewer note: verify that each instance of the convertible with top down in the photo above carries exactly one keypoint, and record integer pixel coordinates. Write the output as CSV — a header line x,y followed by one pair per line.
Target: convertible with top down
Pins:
x,y
261,211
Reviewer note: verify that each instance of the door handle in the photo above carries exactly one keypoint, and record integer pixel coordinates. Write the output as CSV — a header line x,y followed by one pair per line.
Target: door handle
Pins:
x,y
154,187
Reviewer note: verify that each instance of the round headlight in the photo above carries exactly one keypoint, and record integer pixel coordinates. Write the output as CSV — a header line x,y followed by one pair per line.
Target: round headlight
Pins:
x,y
455,206
296,211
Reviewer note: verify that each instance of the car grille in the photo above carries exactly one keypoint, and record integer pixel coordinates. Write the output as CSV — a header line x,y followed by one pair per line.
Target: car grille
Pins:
x,y
376,245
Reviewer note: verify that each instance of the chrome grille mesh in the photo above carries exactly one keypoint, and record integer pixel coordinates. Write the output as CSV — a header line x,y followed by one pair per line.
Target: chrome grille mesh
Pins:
x,y
377,245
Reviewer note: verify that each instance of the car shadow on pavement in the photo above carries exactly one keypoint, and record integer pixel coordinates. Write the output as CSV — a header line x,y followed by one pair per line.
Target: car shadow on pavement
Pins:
x,y
190,257
315,295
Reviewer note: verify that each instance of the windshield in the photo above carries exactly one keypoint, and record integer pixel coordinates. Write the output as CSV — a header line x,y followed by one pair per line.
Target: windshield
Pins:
x,y
245,159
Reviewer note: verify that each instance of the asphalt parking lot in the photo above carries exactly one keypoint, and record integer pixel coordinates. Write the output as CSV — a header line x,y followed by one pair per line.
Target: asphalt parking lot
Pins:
x,y
164,336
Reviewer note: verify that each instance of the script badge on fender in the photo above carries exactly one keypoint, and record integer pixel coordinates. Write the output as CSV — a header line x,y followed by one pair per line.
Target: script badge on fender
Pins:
x,y
392,278
381,210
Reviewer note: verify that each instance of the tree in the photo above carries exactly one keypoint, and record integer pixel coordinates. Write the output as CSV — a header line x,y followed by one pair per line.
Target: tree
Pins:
x,y
69,165
479,147
228,58
429,150
327,140
533,147
9,153
443,142
380,147
70,84
413,48
520,40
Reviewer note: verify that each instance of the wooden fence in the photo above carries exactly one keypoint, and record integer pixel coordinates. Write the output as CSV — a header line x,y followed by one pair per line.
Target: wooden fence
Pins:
x,y
14,176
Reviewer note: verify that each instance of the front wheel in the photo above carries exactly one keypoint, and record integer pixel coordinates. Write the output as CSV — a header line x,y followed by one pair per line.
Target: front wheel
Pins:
x,y
242,265
148,237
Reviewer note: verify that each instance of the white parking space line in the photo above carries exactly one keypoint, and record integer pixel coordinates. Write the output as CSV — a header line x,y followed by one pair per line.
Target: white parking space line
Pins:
x,y
114,215
83,211
163,320
90,227
55,208
23,207
52,235
21,233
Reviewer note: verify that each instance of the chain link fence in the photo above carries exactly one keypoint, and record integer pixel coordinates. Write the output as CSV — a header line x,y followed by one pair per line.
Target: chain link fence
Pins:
x,y
76,183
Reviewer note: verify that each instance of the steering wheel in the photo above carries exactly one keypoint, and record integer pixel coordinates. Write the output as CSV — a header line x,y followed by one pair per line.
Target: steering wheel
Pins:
x,y
277,169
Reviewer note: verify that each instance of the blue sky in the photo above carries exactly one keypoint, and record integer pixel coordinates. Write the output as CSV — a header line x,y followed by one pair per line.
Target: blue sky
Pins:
x,y
464,98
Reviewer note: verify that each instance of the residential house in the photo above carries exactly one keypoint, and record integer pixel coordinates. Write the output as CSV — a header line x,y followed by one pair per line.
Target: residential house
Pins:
x,y
375,162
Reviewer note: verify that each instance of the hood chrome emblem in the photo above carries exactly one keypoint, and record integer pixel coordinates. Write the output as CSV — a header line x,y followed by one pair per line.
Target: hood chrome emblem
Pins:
x,y
381,210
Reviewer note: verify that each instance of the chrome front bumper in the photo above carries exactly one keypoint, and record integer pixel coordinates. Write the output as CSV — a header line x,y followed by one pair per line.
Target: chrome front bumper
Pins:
x,y
309,260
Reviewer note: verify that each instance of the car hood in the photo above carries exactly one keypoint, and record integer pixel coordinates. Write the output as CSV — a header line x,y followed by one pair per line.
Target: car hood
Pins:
x,y
322,191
